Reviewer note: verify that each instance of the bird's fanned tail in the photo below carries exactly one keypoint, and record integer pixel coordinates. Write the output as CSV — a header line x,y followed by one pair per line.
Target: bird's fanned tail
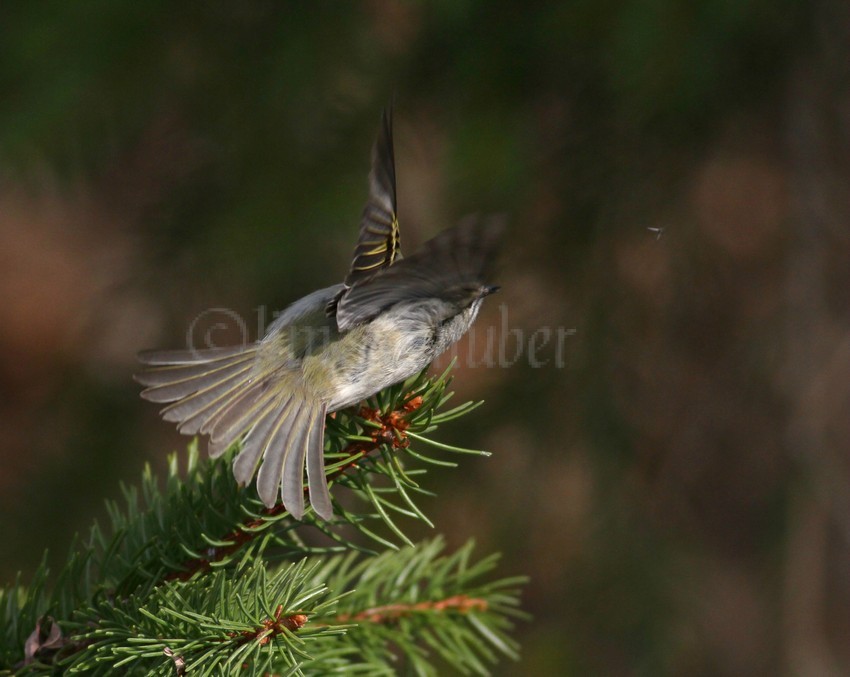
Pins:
x,y
220,392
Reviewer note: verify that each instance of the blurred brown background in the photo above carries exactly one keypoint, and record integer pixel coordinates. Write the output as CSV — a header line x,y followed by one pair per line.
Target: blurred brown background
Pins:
x,y
678,486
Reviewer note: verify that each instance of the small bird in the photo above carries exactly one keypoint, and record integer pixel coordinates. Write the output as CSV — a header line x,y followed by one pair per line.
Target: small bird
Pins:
x,y
385,322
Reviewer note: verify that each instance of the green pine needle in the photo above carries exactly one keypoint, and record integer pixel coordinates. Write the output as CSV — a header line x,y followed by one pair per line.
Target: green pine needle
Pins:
x,y
194,573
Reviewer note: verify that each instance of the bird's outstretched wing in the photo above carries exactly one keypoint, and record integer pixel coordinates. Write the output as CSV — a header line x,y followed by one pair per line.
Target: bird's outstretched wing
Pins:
x,y
231,395
452,266
378,244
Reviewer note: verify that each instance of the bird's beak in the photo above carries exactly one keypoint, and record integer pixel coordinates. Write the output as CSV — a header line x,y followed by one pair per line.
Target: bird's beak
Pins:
x,y
490,289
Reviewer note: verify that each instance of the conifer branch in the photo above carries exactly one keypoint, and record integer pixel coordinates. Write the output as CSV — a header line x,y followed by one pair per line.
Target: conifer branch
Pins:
x,y
390,429
160,591
392,612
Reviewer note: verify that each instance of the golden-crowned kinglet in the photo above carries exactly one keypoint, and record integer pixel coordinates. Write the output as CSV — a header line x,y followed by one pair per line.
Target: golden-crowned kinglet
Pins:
x,y
331,349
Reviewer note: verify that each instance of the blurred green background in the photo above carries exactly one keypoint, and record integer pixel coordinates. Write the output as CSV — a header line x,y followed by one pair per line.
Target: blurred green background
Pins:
x,y
675,481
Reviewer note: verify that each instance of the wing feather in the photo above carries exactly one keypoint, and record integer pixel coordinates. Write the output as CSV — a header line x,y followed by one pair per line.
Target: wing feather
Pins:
x,y
320,497
451,265
379,243
205,401
277,447
292,483
245,463
292,478
183,384
171,358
